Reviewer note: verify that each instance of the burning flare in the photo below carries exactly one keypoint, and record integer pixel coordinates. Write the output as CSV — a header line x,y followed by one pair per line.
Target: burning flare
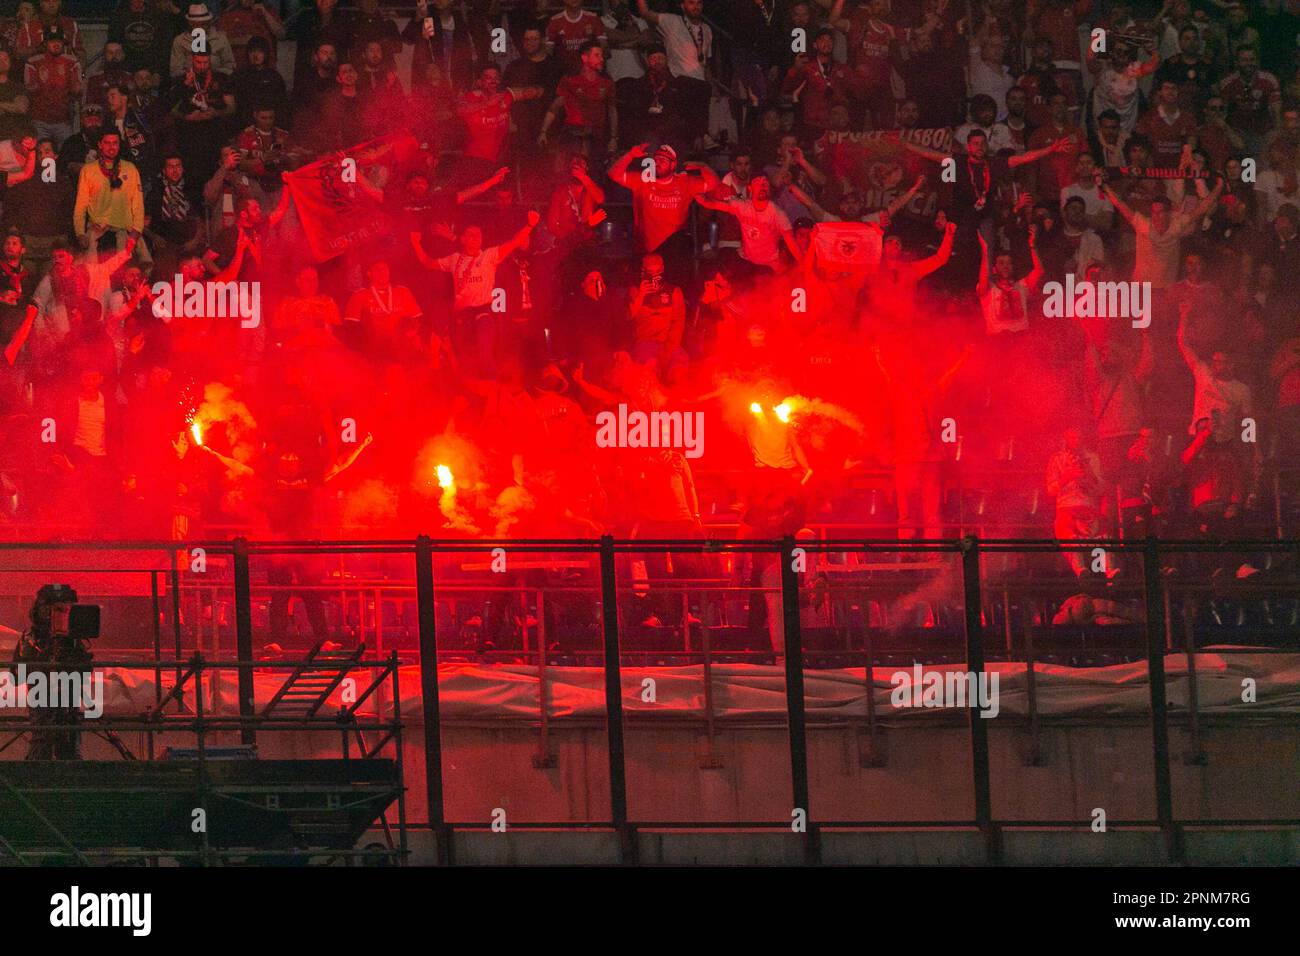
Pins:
x,y
446,480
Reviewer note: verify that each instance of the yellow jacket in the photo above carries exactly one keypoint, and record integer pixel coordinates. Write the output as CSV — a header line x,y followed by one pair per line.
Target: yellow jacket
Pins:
x,y
100,205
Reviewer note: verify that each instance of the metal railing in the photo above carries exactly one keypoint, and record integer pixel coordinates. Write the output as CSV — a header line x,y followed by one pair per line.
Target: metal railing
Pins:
x,y
1155,630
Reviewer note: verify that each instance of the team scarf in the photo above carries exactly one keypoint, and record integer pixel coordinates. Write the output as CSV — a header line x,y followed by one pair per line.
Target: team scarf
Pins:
x,y
175,204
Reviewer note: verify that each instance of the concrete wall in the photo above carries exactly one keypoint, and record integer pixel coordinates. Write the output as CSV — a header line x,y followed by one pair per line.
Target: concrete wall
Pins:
x,y
674,776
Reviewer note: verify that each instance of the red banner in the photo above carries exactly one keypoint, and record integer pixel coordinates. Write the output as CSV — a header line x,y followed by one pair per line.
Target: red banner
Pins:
x,y
880,168
336,214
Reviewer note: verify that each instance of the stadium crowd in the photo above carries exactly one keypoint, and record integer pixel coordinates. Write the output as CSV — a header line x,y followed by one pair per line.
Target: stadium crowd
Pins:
x,y
830,226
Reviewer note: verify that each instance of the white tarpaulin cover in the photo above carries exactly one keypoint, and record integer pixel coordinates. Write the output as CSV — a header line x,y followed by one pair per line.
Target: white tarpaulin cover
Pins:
x,y
476,692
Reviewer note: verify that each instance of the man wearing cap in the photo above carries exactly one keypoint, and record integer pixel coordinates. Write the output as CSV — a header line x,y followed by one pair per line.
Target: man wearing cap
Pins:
x,y
688,40
53,81
211,41
661,196
32,35
79,148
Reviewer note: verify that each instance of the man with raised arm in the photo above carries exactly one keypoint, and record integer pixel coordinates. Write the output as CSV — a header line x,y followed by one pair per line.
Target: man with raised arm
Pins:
x,y
1003,298
978,176
688,40
763,227
474,282
661,197
1160,235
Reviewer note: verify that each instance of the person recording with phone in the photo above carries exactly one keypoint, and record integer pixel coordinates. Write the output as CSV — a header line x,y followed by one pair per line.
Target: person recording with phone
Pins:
x,y
657,310
440,33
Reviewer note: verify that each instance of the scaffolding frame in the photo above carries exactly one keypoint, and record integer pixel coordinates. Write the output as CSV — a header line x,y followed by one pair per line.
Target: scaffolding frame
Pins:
x,y
172,715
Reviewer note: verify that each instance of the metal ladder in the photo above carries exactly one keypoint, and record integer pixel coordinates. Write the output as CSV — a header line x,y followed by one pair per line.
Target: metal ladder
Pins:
x,y
310,684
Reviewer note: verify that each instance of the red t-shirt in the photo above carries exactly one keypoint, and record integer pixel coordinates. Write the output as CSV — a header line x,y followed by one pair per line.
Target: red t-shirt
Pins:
x,y
869,46
568,35
586,102
487,120
53,82
1167,139
1060,24
30,38
660,207
1056,170
1249,102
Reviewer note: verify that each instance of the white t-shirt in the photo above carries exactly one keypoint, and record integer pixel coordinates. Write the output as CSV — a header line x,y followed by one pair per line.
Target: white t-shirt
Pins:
x,y
624,64
1099,211
1118,90
90,427
739,190
1231,398
472,277
1270,188
1159,253
760,232
9,161
687,44
988,80
1005,310
997,135
1090,250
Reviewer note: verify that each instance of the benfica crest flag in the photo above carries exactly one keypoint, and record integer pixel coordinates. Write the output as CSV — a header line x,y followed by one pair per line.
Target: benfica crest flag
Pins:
x,y
847,246
335,213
